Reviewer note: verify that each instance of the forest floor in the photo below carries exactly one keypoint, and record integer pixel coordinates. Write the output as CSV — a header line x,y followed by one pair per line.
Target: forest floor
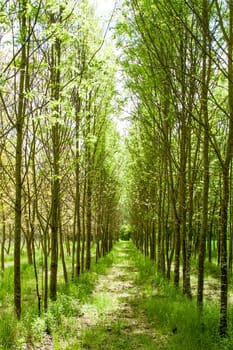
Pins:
x,y
112,318
132,307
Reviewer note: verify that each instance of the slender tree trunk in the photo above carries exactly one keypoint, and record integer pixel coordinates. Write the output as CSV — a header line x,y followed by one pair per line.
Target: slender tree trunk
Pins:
x,y
83,225
230,245
3,238
152,241
18,159
55,190
183,151
32,227
204,114
180,224
78,250
3,220
225,167
54,219
46,270
223,257
77,219
65,274
88,193
211,229
231,223
74,237
29,248
146,239
223,326
191,180
159,235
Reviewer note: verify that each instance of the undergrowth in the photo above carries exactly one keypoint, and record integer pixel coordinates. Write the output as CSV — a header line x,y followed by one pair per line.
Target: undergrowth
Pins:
x,y
33,329
176,316
176,320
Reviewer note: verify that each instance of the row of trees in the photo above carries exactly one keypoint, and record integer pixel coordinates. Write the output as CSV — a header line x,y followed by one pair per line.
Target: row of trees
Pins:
x,y
178,60
58,144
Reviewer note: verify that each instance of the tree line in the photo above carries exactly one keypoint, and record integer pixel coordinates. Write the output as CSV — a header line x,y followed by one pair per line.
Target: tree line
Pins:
x,y
177,57
58,143
60,182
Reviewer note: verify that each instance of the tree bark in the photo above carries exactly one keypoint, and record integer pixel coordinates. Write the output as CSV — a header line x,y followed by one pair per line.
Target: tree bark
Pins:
x,y
205,117
18,159
55,205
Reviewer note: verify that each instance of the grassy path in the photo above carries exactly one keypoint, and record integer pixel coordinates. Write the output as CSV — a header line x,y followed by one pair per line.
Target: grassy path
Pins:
x,y
112,319
130,307
122,303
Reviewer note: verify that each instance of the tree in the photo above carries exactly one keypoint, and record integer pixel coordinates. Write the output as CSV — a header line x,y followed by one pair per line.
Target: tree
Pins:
x,y
225,162
205,78
55,19
20,117
183,66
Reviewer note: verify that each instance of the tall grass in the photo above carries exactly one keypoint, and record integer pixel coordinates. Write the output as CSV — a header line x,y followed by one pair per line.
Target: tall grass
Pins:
x,y
31,328
7,331
177,317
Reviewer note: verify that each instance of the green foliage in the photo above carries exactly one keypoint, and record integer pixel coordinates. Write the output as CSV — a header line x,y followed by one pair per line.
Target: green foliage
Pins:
x,y
7,331
63,311
177,318
6,284
64,306
117,337
125,233
85,285
38,330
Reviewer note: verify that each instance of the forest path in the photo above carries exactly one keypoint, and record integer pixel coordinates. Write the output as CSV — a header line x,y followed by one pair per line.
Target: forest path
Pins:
x,y
113,320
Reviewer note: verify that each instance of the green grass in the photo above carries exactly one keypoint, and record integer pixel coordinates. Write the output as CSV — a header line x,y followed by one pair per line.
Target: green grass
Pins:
x,y
7,331
178,317
117,337
15,335
165,309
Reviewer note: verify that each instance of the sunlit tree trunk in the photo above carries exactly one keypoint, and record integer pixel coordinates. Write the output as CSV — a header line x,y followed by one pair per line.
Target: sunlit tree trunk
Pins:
x,y
3,237
77,218
61,241
55,185
18,158
88,188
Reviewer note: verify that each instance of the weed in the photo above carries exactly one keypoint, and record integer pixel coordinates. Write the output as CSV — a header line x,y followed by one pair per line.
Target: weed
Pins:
x,y
174,318
6,284
7,331
38,329
178,316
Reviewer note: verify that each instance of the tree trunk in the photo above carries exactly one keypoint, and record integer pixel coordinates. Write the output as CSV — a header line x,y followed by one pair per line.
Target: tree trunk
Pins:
x,y
205,118
18,159
3,239
29,248
152,241
223,257
88,189
65,274
55,190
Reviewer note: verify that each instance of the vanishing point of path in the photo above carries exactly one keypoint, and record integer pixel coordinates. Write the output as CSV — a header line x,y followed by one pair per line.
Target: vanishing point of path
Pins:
x,y
113,320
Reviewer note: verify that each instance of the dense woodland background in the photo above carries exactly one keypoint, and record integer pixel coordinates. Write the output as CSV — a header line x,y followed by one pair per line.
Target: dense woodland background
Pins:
x,y
69,180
